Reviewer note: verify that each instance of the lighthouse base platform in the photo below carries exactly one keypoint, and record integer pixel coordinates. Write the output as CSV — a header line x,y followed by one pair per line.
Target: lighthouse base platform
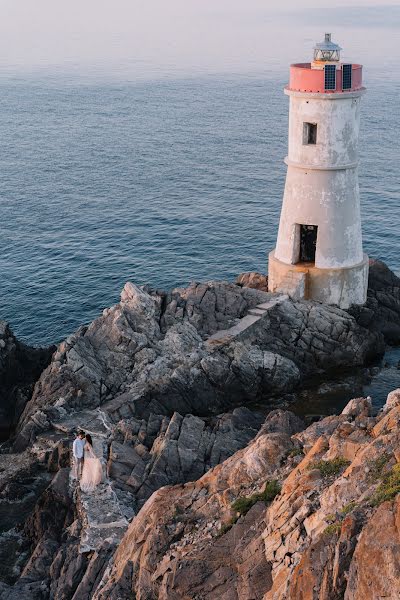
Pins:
x,y
305,281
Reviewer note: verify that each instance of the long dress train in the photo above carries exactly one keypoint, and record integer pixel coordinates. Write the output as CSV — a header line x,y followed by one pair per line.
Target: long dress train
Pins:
x,y
92,472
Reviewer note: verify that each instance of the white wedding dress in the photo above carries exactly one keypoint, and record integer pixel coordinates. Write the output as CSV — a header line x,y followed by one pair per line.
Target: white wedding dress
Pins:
x,y
92,472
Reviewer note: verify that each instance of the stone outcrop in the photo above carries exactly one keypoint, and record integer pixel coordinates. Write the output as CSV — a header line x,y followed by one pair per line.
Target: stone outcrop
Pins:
x,y
328,533
382,310
201,499
20,368
191,523
375,568
253,280
159,354
165,450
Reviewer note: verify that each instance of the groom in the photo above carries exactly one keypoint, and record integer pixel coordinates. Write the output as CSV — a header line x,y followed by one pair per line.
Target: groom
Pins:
x,y
77,450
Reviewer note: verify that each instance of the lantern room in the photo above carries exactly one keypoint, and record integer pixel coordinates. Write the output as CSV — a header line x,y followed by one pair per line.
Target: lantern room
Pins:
x,y
326,74
325,52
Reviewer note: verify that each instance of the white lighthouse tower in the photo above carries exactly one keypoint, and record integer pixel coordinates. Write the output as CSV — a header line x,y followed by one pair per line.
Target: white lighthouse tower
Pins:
x,y
319,253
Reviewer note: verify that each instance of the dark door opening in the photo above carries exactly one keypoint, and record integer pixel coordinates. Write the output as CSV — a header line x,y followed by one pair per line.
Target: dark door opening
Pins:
x,y
308,242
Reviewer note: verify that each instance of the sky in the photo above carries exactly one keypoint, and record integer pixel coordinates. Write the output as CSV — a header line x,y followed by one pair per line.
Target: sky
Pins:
x,y
188,35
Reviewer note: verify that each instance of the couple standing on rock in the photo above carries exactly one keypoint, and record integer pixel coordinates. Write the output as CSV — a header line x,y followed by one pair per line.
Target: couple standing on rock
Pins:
x,y
87,467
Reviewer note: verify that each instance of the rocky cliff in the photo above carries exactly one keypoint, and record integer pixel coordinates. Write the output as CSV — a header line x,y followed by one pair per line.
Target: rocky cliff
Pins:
x,y
203,496
382,309
196,350
20,368
296,514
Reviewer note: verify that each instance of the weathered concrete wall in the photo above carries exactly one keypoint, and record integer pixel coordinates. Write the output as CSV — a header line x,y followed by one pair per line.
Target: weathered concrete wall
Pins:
x,y
338,122
322,180
342,287
329,199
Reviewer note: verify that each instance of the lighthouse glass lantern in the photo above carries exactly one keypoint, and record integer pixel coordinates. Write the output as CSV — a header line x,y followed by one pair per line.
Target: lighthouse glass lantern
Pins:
x,y
326,51
319,254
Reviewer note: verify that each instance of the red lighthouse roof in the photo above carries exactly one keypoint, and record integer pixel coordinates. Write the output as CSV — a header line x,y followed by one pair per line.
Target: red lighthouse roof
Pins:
x,y
326,74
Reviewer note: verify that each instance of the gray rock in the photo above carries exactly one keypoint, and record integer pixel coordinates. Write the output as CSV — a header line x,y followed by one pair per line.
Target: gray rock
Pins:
x,y
126,363
253,280
210,306
282,421
358,407
183,449
20,367
148,382
382,309
393,400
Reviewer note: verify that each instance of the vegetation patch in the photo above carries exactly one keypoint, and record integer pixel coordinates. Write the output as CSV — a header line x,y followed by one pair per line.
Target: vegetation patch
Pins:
x,y
244,504
333,529
388,488
328,468
377,467
331,518
295,452
348,508
178,510
225,527
336,519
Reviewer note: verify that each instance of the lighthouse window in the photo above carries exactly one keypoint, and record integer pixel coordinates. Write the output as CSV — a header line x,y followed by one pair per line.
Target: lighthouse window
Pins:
x,y
309,133
330,77
346,77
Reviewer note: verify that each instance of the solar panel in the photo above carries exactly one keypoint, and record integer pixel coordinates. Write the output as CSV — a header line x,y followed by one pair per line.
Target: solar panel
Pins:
x,y
346,77
330,77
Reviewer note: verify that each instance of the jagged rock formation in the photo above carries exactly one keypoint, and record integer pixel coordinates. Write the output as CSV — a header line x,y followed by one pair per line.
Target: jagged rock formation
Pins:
x,y
175,450
329,533
20,367
156,380
150,354
382,310
253,280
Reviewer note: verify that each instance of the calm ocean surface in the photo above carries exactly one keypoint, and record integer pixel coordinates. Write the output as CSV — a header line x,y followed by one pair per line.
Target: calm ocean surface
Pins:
x,y
160,179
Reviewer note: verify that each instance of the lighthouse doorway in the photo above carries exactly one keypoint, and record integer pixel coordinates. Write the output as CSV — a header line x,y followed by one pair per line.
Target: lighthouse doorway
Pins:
x,y
308,243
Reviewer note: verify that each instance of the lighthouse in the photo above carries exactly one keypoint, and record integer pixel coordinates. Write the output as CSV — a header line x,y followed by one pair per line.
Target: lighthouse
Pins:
x,y
318,253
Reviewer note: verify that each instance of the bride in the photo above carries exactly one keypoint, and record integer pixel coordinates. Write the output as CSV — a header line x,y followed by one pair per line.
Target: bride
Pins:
x,y
92,472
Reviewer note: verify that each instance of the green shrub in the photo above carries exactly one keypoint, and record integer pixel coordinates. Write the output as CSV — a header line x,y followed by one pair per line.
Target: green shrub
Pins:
x,y
328,468
333,529
377,466
227,526
178,511
272,489
388,488
331,517
244,504
347,508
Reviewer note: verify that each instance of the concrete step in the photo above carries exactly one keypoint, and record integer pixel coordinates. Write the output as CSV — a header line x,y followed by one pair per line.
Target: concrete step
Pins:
x,y
254,314
258,312
261,309
226,335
